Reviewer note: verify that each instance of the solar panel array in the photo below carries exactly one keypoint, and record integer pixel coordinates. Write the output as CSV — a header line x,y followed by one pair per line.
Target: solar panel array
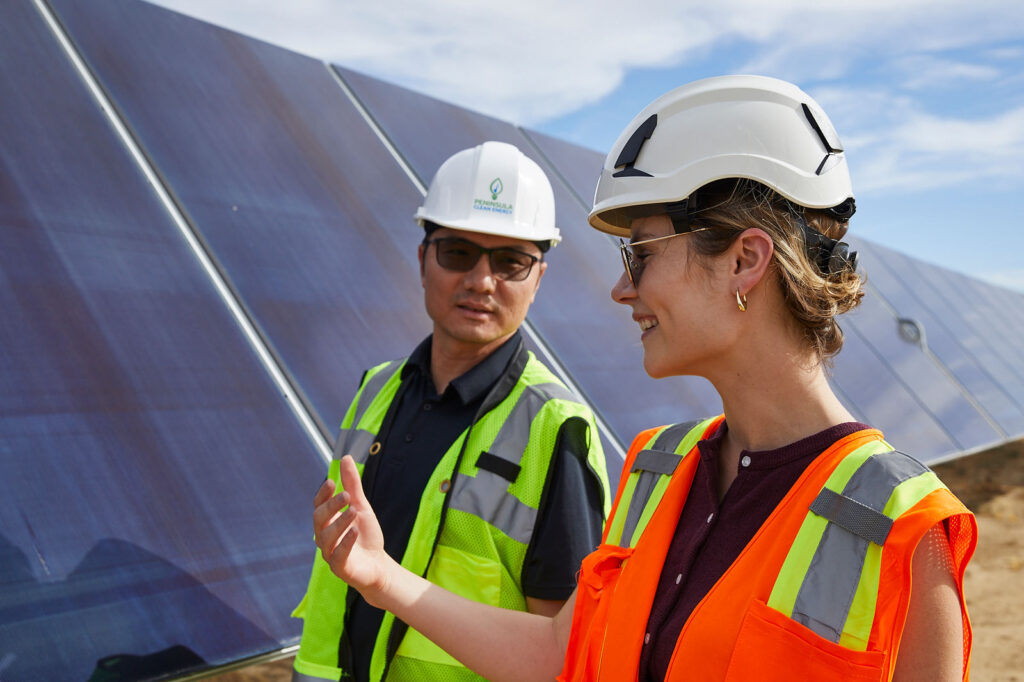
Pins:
x,y
204,241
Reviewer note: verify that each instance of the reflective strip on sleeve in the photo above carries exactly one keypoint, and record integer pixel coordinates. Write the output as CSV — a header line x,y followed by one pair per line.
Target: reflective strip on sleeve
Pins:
x,y
826,593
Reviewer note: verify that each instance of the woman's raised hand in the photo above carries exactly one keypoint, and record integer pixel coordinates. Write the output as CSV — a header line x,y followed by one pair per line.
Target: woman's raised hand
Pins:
x,y
351,541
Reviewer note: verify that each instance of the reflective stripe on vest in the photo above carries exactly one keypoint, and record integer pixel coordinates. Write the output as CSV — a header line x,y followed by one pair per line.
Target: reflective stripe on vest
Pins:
x,y
829,580
487,495
649,478
357,442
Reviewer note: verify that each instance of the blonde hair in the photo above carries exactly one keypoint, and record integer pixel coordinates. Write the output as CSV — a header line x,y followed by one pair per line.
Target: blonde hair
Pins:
x,y
814,298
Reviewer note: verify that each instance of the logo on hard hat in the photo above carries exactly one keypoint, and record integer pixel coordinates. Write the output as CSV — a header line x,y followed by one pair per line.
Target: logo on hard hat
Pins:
x,y
493,205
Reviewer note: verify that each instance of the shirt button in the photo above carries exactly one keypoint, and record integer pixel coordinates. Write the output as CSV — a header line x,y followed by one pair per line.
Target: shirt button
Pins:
x,y
711,516
647,638
679,578
745,461
428,407
408,438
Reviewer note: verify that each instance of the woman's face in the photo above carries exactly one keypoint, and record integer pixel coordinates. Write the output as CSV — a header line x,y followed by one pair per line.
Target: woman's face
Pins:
x,y
674,301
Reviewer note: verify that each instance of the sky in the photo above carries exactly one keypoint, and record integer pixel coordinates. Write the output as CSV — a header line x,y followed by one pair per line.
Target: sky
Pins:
x,y
927,95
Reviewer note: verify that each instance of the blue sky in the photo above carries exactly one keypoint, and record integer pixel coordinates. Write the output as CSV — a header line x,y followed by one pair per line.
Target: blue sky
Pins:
x,y
927,97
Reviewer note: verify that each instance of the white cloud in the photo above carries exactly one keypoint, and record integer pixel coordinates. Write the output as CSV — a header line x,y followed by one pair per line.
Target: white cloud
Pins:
x,y
524,61
896,146
925,71
534,60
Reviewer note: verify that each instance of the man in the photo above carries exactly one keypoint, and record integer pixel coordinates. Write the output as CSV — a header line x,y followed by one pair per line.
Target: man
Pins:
x,y
486,472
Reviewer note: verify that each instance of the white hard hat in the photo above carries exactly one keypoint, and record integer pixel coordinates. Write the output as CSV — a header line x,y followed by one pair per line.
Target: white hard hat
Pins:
x,y
492,188
752,127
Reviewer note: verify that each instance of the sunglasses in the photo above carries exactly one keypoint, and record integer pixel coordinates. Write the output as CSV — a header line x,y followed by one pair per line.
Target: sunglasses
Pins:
x,y
462,255
634,263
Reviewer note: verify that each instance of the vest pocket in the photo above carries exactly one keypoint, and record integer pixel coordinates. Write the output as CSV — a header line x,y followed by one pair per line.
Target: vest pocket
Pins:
x,y
771,647
472,576
595,590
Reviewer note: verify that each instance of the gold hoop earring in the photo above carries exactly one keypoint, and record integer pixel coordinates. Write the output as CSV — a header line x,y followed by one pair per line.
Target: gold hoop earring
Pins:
x,y
741,303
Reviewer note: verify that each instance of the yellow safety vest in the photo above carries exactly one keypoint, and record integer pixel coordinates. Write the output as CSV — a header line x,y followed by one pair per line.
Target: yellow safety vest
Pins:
x,y
474,523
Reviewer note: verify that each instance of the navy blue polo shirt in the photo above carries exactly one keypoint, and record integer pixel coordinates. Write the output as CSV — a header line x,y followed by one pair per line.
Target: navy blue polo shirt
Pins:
x,y
421,428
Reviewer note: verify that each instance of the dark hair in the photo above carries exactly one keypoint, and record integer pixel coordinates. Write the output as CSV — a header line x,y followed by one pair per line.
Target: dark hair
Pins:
x,y
814,298
429,228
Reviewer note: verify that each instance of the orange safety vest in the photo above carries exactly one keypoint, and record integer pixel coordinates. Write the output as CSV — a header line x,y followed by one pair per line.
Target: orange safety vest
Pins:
x,y
819,593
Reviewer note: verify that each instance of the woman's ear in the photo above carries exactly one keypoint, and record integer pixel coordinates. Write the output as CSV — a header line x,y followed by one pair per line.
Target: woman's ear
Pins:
x,y
750,256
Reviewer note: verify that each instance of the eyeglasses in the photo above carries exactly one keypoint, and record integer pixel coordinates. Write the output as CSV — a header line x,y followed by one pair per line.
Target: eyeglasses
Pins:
x,y
462,255
634,264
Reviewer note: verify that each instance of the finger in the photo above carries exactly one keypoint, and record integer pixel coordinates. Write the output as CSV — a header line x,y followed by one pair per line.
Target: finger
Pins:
x,y
324,492
327,511
352,484
339,555
330,534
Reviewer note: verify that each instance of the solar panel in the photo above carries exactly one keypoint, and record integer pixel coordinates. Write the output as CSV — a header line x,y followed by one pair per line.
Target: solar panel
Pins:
x,y
931,385
942,338
155,484
304,210
999,307
936,289
867,382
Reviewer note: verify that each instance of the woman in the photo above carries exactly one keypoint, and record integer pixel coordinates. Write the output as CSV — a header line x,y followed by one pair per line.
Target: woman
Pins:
x,y
782,540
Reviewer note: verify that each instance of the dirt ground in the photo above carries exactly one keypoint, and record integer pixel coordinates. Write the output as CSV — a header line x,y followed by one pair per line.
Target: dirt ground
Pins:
x,y
991,483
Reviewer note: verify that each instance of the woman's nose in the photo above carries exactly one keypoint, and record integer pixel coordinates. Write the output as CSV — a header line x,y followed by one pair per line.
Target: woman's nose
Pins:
x,y
623,291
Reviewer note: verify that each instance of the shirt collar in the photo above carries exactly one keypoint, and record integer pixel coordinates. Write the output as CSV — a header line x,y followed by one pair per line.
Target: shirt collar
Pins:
x,y
477,381
808,447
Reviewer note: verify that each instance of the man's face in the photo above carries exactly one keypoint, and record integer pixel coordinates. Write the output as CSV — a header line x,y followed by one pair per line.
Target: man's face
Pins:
x,y
475,309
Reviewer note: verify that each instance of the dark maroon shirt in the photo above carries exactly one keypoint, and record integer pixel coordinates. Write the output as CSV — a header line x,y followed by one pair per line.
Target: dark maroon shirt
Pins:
x,y
712,533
